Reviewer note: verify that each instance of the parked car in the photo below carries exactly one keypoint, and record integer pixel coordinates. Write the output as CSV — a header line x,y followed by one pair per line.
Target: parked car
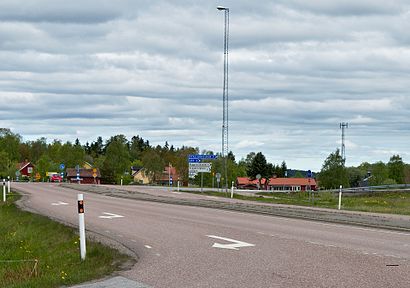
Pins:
x,y
56,178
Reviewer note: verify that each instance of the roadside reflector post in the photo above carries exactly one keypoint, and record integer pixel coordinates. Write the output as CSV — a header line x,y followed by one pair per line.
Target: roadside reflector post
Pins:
x,y
178,186
232,190
340,197
4,190
8,184
80,198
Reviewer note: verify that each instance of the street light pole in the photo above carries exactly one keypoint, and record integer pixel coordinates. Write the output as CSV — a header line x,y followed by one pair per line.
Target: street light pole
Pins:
x,y
225,96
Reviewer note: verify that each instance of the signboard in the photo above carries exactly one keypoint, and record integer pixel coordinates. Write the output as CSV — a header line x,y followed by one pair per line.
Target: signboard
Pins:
x,y
200,167
94,174
62,166
196,166
195,158
170,180
218,177
38,176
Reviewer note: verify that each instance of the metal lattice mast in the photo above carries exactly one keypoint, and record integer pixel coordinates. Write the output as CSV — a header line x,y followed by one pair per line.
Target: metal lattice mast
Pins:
x,y
343,151
225,133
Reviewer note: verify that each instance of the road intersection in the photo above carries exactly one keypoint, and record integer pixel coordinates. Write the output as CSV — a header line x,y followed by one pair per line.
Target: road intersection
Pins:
x,y
182,246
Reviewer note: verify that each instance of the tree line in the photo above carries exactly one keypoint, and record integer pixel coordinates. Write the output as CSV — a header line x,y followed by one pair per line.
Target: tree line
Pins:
x,y
334,173
115,157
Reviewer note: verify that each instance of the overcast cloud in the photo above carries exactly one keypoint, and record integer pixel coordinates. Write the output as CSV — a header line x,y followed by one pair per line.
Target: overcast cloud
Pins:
x,y
83,69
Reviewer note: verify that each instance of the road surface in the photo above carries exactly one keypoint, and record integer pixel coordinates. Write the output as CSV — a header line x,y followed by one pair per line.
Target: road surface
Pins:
x,y
182,246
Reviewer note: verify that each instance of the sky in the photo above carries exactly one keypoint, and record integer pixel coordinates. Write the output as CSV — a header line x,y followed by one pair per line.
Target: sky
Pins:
x,y
297,69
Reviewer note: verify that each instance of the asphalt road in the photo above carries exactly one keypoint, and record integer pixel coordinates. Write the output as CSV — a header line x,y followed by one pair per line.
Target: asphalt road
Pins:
x,y
182,246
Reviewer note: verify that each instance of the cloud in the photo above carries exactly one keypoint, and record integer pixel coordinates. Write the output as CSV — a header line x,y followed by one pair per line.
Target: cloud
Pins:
x,y
154,68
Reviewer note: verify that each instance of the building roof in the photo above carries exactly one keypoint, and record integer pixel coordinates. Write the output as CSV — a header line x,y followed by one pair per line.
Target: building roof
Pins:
x,y
165,174
247,181
292,181
278,181
23,165
85,173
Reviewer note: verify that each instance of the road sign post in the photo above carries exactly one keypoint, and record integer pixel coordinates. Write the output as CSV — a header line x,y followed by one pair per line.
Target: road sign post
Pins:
x,y
81,222
4,190
202,182
218,179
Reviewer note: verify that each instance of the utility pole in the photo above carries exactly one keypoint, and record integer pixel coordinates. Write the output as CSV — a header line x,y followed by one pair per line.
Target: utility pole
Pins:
x,y
225,96
343,126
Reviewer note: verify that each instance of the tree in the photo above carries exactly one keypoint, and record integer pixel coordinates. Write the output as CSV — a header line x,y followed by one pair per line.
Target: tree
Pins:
x,y
396,169
379,174
333,173
356,176
284,169
9,143
38,148
260,166
153,163
43,166
117,158
4,164
71,155
137,147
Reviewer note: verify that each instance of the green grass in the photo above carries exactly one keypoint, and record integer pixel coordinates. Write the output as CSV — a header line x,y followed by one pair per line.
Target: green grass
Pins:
x,y
378,202
25,237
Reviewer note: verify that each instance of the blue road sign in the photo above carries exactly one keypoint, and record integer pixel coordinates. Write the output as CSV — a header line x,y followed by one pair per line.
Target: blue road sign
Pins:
x,y
170,180
193,158
62,166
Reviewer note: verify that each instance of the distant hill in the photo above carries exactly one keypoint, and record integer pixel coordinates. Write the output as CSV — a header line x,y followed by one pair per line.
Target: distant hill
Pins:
x,y
299,173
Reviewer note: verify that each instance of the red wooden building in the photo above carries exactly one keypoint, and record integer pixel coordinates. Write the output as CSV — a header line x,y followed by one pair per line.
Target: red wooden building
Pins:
x,y
86,176
26,169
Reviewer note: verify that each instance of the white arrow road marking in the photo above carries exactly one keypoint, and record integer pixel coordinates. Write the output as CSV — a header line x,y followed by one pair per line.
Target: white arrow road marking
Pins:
x,y
110,216
179,193
59,203
234,246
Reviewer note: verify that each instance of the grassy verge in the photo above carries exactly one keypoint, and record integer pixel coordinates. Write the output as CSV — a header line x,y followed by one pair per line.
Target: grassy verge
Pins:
x,y
378,202
38,252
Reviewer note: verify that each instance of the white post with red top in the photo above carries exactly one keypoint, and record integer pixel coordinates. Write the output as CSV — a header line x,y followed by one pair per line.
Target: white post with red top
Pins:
x,y
80,198
340,197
